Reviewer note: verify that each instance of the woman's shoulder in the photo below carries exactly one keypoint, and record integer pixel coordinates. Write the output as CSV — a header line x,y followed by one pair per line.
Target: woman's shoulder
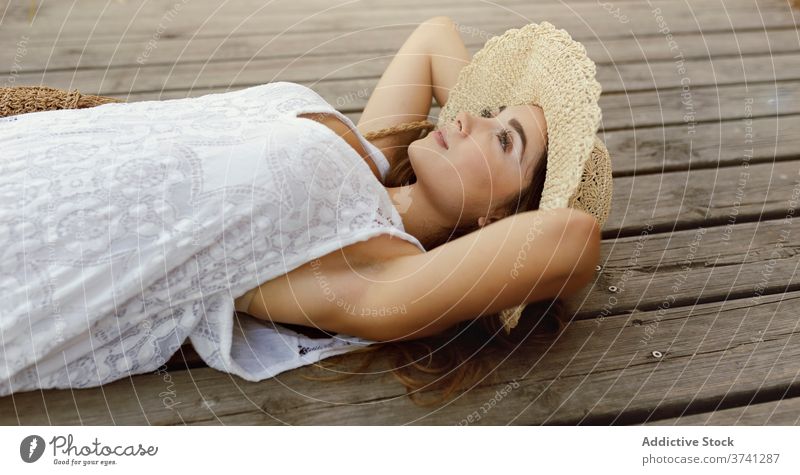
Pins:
x,y
284,89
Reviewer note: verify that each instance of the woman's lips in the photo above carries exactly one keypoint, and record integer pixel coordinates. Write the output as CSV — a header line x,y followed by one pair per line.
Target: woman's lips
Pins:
x,y
440,139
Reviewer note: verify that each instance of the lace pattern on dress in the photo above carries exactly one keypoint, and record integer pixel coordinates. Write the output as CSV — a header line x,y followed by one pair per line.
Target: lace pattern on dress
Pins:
x,y
131,227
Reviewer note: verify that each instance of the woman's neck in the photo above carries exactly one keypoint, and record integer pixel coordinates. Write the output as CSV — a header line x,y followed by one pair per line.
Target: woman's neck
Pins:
x,y
420,218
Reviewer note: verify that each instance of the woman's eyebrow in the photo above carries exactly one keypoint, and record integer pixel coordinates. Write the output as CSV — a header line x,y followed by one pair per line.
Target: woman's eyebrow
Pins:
x,y
518,127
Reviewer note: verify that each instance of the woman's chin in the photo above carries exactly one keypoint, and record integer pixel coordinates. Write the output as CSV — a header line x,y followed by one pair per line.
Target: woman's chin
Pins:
x,y
426,148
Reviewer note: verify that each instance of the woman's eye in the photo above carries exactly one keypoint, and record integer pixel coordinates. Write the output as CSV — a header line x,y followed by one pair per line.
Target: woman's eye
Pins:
x,y
505,135
505,139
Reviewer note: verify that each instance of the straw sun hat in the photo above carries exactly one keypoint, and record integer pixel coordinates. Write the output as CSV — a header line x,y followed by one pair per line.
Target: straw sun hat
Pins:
x,y
541,65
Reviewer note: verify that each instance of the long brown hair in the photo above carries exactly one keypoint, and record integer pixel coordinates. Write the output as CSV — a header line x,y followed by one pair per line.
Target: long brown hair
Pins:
x,y
468,352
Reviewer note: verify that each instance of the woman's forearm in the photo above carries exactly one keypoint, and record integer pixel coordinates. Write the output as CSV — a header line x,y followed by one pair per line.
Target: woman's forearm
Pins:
x,y
448,55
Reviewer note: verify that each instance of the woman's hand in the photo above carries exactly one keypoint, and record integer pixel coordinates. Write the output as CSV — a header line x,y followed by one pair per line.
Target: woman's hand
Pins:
x,y
426,66
448,55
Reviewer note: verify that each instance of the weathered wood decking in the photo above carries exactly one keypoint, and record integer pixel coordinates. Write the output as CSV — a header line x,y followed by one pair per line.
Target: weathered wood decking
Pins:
x,y
700,244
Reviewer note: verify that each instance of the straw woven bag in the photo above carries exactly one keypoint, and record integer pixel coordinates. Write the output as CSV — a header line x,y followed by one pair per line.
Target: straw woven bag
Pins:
x,y
24,99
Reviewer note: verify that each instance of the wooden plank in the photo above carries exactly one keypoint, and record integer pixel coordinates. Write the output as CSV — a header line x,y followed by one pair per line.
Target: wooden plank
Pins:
x,y
783,412
724,143
48,10
703,104
193,20
651,271
614,78
708,197
379,40
702,72
716,355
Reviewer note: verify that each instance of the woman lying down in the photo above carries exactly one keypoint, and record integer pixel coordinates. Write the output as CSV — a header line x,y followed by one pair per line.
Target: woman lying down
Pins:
x,y
225,220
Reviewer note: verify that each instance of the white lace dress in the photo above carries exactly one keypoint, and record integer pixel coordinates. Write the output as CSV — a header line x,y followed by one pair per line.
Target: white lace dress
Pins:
x,y
128,228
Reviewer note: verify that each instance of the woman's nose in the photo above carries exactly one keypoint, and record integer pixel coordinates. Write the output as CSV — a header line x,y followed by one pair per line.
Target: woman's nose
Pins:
x,y
463,123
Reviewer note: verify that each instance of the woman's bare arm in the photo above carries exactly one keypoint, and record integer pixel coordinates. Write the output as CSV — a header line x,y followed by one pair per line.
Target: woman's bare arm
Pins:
x,y
523,258
426,66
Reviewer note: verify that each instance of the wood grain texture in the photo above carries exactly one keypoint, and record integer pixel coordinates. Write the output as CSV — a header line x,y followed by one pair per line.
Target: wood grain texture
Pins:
x,y
702,135
715,356
783,412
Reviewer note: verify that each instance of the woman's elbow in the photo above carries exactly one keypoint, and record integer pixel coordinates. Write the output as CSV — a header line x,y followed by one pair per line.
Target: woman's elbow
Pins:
x,y
585,239
361,325
412,323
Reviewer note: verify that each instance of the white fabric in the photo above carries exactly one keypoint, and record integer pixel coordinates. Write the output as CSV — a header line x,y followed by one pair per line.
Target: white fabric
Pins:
x,y
128,228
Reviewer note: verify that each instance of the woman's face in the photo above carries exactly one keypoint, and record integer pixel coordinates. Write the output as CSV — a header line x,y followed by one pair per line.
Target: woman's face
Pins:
x,y
483,161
